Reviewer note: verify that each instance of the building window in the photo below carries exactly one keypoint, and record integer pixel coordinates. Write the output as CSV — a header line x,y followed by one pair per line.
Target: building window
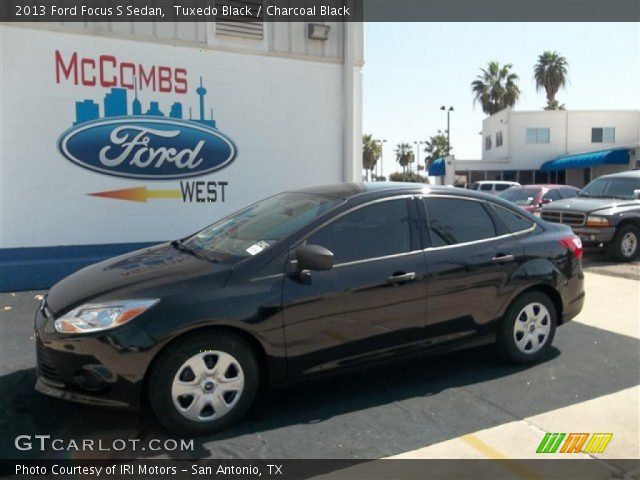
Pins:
x,y
510,175
525,177
477,175
603,135
561,177
541,177
499,140
487,142
538,135
239,26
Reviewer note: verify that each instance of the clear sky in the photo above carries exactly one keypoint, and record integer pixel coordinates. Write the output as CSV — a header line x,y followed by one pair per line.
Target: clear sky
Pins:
x,y
411,69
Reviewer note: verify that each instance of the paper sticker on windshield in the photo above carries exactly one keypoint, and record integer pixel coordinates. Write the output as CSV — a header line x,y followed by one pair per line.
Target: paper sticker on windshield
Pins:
x,y
256,248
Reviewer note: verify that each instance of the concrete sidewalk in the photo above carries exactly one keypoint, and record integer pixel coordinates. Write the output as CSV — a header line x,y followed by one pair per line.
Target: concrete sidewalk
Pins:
x,y
612,304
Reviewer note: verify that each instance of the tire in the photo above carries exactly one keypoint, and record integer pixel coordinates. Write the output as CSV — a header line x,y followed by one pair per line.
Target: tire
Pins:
x,y
536,319
203,383
625,245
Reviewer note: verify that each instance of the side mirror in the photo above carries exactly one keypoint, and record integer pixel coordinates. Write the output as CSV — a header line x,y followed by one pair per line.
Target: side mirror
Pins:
x,y
545,201
314,257
636,194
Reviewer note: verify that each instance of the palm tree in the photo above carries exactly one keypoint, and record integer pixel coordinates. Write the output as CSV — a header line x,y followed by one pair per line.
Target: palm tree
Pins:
x,y
404,155
371,152
550,73
436,147
495,88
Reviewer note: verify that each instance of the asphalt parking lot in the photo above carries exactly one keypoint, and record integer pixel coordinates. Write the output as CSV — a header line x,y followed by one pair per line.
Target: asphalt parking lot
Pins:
x,y
596,261
467,404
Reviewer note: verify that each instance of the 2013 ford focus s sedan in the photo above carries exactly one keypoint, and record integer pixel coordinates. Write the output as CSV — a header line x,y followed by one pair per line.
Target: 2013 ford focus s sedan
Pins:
x,y
301,284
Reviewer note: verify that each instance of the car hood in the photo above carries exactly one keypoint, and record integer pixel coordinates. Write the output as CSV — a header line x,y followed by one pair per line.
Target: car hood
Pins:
x,y
589,205
149,273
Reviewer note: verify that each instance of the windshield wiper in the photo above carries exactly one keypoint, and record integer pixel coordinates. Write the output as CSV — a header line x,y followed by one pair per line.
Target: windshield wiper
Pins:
x,y
179,245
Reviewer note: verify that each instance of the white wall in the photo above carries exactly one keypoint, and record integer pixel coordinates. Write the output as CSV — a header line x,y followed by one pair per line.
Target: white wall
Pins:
x,y
570,132
286,116
279,37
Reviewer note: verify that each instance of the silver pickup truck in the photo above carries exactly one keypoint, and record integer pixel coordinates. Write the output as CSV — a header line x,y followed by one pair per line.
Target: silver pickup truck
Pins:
x,y
605,212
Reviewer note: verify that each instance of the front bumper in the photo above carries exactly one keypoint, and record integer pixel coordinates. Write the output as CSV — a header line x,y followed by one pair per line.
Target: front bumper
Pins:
x,y
595,235
103,369
44,386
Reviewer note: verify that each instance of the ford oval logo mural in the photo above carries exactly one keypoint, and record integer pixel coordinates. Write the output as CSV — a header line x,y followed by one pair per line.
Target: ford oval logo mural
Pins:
x,y
147,148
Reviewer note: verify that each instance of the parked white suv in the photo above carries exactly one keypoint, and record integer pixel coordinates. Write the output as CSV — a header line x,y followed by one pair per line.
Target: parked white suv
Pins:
x,y
493,187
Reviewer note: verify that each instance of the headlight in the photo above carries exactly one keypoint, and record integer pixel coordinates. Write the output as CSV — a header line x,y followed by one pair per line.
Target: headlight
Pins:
x,y
93,317
595,221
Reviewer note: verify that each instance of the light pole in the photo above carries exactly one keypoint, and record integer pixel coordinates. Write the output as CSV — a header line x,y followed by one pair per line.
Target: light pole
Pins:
x,y
381,142
417,143
382,157
448,110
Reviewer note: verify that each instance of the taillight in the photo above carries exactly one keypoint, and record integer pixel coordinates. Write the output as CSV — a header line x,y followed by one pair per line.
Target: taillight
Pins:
x,y
573,244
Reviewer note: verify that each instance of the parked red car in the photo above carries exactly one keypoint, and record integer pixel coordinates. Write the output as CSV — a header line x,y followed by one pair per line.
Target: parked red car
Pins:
x,y
532,197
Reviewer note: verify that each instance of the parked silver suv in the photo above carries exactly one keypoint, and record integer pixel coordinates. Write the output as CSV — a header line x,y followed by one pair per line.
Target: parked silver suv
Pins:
x,y
605,212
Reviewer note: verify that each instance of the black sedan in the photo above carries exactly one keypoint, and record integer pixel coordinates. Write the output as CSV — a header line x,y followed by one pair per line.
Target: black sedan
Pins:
x,y
301,284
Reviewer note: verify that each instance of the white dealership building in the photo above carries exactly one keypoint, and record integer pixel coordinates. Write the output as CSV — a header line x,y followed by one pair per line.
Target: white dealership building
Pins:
x,y
557,146
114,136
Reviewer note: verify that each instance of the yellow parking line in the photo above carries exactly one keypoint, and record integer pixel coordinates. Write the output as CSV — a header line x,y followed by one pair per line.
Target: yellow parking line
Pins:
x,y
490,452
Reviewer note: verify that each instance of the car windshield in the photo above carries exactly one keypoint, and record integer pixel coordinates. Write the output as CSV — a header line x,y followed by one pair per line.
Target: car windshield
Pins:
x,y
520,196
257,227
611,188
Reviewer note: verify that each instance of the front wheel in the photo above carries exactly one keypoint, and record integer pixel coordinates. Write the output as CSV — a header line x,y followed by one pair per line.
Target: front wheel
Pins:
x,y
527,329
203,383
625,244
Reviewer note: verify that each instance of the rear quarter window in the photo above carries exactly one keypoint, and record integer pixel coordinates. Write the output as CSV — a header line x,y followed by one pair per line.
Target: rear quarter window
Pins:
x,y
514,222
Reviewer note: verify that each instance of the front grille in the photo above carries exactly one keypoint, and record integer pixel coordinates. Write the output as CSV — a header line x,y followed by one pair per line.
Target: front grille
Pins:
x,y
572,219
45,365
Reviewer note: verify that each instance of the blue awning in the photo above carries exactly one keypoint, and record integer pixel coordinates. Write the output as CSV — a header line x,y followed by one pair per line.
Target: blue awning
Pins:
x,y
619,156
436,169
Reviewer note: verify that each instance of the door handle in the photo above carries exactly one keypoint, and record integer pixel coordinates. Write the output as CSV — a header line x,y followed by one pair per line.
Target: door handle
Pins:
x,y
401,277
501,258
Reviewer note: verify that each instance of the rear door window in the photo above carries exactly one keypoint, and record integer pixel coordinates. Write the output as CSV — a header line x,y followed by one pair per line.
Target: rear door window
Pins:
x,y
486,187
452,221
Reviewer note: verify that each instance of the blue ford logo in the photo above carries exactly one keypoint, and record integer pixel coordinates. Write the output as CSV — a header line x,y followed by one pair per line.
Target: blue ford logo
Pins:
x,y
144,147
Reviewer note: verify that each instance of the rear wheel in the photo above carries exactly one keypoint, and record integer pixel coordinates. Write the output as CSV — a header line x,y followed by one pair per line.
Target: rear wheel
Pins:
x,y
202,384
625,244
528,328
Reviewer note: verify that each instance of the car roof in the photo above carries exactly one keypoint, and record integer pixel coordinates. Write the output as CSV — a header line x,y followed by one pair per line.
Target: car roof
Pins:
x,y
368,190
549,186
348,190
627,174
508,182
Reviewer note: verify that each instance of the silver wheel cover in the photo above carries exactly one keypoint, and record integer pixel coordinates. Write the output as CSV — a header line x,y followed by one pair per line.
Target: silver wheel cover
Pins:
x,y
532,328
207,386
629,244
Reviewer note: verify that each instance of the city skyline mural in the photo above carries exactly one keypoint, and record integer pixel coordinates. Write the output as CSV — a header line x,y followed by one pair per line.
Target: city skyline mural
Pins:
x,y
115,104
